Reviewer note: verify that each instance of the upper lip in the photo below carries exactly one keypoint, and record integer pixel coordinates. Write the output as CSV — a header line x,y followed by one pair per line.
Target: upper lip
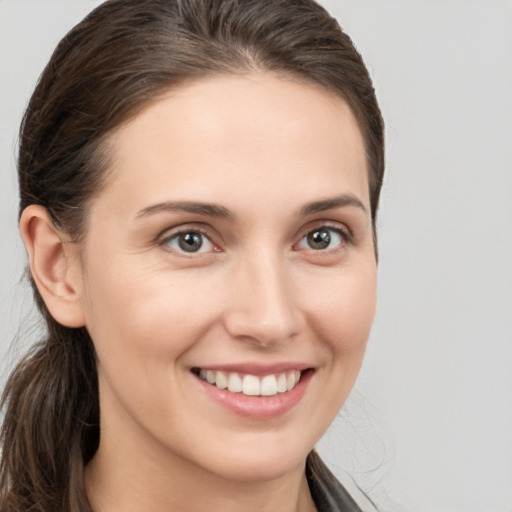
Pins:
x,y
257,368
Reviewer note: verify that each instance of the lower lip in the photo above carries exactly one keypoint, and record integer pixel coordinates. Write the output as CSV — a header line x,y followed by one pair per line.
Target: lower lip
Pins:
x,y
258,407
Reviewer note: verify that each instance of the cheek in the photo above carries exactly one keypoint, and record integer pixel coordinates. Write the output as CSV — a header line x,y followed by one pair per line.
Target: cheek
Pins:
x,y
151,315
141,327
342,311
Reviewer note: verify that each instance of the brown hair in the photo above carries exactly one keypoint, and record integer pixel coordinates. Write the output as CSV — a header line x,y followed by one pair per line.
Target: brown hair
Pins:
x,y
122,56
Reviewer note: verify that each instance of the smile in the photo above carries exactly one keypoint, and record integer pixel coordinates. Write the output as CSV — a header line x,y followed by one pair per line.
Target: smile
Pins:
x,y
251,385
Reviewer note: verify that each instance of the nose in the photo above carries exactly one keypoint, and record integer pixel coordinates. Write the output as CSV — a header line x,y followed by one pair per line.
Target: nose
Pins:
x,y
262,306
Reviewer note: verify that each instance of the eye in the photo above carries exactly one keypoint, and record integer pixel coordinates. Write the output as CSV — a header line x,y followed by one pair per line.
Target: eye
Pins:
x,y
190,241
322,238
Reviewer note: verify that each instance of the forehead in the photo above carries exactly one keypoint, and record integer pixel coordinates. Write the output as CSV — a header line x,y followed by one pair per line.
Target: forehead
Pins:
x,y
252,133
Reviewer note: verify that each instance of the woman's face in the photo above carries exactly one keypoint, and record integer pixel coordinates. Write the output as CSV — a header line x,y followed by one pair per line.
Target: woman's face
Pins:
x,y
232,246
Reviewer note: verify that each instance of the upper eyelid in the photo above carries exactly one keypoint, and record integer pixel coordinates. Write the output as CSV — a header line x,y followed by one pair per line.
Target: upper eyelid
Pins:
x,y
345,239
169,233
217,240
335,225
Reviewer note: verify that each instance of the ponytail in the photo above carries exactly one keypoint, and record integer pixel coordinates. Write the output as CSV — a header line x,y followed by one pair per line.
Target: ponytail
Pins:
x,y
51,425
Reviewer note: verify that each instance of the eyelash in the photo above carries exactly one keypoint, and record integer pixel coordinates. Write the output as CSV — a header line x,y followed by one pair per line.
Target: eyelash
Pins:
x,y
343,234
166,238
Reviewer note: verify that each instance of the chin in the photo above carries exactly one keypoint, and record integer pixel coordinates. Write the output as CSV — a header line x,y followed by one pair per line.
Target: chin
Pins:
x,y
259,463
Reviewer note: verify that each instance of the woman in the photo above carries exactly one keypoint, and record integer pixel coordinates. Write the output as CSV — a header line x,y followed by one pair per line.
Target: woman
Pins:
x,y
199,184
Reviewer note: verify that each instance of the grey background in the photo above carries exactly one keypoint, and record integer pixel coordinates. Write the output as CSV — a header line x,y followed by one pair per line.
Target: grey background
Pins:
x,y
430,421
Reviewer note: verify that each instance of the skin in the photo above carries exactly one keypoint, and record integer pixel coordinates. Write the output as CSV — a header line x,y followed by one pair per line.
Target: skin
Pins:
x,y
263,147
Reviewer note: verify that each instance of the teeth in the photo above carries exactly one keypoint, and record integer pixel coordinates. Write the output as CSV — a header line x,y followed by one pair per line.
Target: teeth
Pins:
x,y
281,383
290,381
269,385
234,383
221,381
251,385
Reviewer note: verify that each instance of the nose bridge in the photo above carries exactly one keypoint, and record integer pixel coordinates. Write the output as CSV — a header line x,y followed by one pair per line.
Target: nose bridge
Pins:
x,y
262,306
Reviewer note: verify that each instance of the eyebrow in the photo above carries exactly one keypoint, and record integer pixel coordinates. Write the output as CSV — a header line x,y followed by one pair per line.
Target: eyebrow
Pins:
x,y
330,203
211,210
215,210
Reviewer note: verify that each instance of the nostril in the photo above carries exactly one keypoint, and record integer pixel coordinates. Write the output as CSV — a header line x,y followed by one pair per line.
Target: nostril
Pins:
x,y
255,328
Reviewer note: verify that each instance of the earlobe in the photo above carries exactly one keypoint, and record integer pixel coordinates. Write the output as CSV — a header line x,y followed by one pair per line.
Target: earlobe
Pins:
x,y
54,266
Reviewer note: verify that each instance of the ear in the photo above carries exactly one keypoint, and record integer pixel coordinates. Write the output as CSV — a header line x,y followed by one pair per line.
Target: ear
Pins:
x,y
54,265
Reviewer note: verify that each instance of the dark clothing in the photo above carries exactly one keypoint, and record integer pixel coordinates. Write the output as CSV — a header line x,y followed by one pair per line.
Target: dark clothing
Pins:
x,y
327,492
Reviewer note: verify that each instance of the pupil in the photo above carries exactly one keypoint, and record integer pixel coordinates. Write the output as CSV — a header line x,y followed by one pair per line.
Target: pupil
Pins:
x,y
319,239
190,242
